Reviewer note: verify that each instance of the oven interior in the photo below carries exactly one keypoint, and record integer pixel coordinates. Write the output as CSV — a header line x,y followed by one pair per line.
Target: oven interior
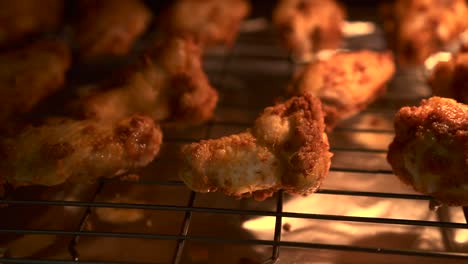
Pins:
x,y
361,214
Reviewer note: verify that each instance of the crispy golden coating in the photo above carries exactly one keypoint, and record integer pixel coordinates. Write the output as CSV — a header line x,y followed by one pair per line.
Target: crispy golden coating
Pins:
x,y
169,85
450,78
346,82
430,149
286,149
109,28
210,22
79,151
418,28
307,26
31,73
20,19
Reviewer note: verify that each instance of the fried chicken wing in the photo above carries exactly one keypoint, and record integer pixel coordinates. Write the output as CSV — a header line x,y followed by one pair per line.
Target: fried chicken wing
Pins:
x,y
430,149
418,28
210,22
79,151
109,28
307,26
345,83
286,149
20,19
169,85
450,78
31,73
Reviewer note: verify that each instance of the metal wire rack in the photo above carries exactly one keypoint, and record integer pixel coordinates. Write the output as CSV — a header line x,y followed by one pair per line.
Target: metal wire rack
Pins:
x,y
253,52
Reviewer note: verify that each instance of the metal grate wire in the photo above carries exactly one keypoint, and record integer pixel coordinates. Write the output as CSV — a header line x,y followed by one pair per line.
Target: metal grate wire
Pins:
x,y
276,243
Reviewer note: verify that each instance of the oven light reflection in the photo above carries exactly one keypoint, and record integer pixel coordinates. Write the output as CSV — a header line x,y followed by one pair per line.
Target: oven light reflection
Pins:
x,y
433,60
358,233
461,236
260,224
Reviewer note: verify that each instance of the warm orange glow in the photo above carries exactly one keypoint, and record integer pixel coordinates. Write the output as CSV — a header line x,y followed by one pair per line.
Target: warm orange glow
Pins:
x,y
347,233
464,37
432,61
461,236
254,25
358,28
260,224
325,54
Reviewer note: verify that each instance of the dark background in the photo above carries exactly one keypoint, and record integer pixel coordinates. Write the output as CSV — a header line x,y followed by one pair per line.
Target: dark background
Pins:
x,y
265,7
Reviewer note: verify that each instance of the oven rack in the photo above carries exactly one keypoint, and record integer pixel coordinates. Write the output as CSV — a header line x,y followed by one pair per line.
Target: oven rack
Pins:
x,y
276,242
222,70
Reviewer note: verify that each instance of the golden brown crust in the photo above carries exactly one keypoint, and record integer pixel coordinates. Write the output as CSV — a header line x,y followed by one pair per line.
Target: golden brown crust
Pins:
x,y
20,19
305,150
308,26
450,78
192,103
31,73
418,28
285,149
209,22
430,149
109,28
167,84
346,83
79,151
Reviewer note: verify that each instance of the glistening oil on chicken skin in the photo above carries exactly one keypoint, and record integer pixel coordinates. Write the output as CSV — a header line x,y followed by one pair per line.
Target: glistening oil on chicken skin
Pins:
x,y
78,150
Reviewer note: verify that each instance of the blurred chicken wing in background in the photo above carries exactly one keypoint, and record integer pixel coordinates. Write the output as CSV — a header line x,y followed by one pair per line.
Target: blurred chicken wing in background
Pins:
x,y
417,28
346,82
109,28
450,78
209,22
308,26
31,73
168,84
21,19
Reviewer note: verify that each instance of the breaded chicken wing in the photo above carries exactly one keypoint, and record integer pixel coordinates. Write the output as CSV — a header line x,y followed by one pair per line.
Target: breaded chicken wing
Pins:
x,y
430,149
79,151
109,28
286,149
20,19
168,85
418,28
450,78
307,26
345,83
209,22
31,73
